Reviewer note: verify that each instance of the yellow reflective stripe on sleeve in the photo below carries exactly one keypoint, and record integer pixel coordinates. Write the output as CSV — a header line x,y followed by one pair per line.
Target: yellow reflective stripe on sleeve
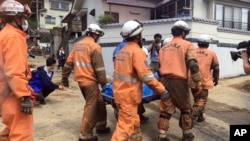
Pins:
x,y
83,64
147,77
125,78
135,136
100,69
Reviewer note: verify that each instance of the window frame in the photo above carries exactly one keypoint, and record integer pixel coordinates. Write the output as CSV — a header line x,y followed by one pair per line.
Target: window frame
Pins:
x,y
55,8
51,23
233,24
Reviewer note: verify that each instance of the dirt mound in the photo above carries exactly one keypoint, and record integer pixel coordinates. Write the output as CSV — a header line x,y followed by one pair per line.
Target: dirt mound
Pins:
x,y
245,86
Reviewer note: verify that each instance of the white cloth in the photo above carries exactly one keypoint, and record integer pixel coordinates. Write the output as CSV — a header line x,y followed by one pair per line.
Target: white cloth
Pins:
x,y
145,50
49,73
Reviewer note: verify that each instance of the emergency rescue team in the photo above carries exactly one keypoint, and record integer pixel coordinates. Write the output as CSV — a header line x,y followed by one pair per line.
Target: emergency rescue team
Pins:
x,y
178,63
131,72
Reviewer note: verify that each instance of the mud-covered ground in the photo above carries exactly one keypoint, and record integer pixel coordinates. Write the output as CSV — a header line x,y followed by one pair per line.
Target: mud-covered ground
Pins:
x,y
60,118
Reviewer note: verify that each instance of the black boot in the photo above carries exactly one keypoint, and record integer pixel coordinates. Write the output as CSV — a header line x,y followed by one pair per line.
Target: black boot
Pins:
x,y
188,137
94,138
103,131
200,118
163,139
143,119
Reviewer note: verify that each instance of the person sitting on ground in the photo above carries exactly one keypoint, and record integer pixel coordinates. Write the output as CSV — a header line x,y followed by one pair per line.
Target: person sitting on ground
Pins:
x,y
41,81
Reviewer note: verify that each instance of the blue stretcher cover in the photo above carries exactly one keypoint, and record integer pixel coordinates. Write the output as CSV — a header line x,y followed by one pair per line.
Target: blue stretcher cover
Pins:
x,y
148,94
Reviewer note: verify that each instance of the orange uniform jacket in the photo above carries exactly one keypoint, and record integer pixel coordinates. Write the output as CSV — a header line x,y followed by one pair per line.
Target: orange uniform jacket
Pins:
x,y
207,59
86,56
175,56
14,69
131,70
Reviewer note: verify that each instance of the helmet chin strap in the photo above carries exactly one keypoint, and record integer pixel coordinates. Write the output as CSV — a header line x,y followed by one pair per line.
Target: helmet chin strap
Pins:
x,y
18,25
183,35
94,36
139,42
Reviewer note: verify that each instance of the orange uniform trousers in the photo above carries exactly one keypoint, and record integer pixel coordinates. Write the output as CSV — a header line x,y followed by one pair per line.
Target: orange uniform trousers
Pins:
x,y
179,98
200,101
95,112
19,126
128,125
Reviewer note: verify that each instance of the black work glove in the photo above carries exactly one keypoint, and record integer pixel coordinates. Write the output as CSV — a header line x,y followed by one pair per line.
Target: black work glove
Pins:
x,y
65,82
165,95
215,82
26,105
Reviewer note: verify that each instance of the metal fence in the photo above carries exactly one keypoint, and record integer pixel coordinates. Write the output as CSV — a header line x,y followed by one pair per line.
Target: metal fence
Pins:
x,y
234,25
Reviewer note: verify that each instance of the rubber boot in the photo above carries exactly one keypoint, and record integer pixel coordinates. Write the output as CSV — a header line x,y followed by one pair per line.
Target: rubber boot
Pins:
x,y
188,136
163,139
103,131
143,118
94,138
200,118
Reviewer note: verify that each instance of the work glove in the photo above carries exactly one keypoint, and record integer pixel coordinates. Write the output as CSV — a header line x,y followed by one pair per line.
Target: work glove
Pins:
x,y
65,81
215,82
198,87
165,95
26,105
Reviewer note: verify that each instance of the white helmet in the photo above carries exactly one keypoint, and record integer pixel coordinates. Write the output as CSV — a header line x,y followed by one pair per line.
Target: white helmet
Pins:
x,y
205,38
94,28
131,28
181,25
13,8
166,40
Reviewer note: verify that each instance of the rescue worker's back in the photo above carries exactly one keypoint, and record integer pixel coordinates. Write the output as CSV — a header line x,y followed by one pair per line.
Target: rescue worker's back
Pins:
x,y
86,57
131,66
177,49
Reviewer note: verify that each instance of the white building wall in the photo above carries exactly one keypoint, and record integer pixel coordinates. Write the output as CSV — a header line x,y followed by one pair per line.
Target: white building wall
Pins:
x,y
200,8
131,12
93,4
53,13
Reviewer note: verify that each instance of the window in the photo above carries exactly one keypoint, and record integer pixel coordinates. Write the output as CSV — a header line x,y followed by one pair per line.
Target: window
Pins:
x,y
114,15
244,18
59,5
232,17
50,20
172,9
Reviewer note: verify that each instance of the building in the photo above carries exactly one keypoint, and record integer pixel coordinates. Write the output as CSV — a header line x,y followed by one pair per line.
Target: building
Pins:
x,y
48,15
228,21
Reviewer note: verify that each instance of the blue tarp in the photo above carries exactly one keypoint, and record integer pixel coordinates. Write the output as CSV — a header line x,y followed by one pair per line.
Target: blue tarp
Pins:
x,y
148,93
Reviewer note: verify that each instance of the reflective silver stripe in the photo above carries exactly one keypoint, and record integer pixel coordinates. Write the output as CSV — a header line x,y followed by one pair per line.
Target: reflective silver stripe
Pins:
x,y
101,123
100,69
125,78
82,64
147,77
135,136
84,137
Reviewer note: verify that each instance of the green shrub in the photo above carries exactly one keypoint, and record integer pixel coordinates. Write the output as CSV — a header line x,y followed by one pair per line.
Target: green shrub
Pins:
x,y
105,19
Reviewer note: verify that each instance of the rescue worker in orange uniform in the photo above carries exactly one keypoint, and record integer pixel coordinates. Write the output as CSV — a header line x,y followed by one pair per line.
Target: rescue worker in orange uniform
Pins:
x,y
176,59
14,74
131,70
89,71
208,62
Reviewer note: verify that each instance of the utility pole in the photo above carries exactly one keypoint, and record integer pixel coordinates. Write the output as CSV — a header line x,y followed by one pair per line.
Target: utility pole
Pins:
x,y
37,16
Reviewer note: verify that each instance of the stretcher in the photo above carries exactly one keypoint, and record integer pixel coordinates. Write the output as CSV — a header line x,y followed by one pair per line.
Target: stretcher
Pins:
x,y
148,94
